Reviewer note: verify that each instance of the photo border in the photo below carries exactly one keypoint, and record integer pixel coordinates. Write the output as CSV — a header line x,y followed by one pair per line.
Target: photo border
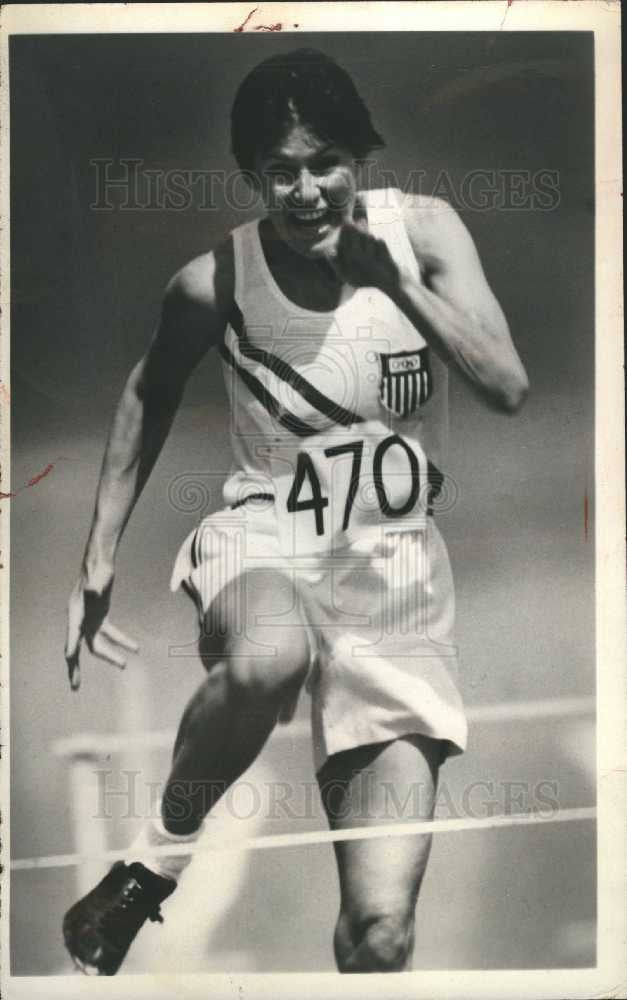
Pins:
x,y
609,978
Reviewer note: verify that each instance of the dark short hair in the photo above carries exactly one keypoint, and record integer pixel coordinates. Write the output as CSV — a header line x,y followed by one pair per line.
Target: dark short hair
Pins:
x,y
306,82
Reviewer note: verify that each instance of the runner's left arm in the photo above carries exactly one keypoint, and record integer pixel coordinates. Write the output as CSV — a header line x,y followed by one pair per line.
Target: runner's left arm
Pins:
x,y
453,306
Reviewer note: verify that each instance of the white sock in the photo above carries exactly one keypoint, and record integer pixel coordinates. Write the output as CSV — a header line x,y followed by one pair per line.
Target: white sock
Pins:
x,y
154,834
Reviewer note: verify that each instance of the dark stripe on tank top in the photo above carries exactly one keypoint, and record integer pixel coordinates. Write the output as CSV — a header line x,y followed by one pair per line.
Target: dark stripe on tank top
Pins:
x,y
193,555
267,400
334,411
252,496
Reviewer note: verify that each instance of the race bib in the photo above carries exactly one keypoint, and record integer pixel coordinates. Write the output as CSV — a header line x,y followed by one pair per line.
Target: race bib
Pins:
x,y
333,486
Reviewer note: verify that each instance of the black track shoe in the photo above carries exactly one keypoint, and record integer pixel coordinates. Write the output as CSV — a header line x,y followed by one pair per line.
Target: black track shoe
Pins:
x,y
100,928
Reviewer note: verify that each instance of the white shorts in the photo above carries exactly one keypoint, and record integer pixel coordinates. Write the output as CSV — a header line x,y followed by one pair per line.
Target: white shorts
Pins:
x,y
379,616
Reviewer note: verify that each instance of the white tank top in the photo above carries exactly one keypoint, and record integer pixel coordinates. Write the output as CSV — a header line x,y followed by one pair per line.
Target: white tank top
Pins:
x,y
340,417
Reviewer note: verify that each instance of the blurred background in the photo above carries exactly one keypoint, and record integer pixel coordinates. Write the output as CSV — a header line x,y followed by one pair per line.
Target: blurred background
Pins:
x,y
86,287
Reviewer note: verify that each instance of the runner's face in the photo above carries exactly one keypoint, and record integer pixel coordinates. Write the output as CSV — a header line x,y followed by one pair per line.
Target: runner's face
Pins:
x,y
309,189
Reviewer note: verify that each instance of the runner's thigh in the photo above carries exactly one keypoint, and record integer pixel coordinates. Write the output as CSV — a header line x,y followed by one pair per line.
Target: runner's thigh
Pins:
x,y
374,785
256,614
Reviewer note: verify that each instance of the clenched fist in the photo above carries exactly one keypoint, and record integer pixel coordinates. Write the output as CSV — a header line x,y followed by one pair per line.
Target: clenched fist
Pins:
x,y
362,260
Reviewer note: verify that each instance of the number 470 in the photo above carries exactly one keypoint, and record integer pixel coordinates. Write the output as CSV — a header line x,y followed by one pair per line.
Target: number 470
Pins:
x,y
306,470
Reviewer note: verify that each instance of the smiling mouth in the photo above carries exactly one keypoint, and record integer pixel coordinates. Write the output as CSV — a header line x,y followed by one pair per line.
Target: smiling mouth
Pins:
x,y
310,220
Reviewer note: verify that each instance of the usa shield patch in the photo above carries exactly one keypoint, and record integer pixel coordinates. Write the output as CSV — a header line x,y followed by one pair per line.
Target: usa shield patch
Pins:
x,y
406,381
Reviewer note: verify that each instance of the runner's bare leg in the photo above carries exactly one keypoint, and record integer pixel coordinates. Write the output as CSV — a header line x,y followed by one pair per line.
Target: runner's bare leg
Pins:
x,y
254,667
380,879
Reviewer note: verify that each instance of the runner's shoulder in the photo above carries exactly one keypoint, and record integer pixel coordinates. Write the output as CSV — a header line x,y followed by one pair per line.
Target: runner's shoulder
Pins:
x,y
205,284
433,226
428,215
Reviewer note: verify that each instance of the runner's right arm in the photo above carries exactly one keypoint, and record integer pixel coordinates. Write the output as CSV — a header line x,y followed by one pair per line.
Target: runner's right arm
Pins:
x,y
193,319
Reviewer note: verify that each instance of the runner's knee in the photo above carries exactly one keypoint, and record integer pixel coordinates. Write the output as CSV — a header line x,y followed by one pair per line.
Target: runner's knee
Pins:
x,y
384,945
269,674
387,944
